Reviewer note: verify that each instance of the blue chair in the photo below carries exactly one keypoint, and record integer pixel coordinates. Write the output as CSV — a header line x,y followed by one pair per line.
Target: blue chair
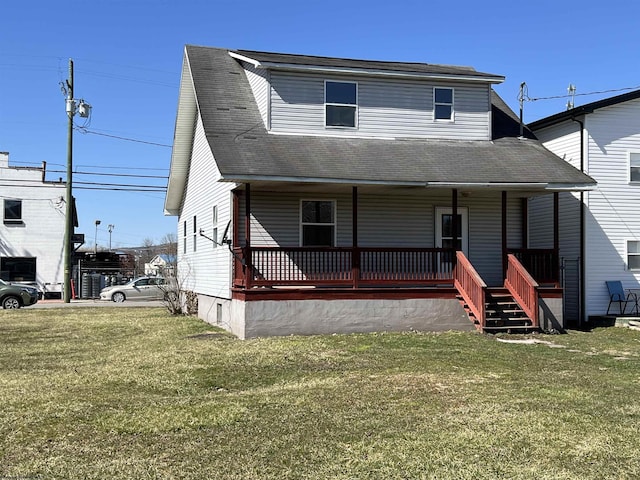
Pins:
x,y
618,295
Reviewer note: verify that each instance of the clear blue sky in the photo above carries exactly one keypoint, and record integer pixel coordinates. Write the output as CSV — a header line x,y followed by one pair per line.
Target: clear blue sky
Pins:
x,y
128,53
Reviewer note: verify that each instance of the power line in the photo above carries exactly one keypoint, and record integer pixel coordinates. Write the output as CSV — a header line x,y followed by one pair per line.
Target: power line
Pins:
x,y
529,99
119,185
165,177
39,166
113,189
92,132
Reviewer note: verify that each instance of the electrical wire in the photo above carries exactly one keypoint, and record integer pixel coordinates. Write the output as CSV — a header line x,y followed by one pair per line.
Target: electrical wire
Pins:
x,y
165,177
554,97
85,130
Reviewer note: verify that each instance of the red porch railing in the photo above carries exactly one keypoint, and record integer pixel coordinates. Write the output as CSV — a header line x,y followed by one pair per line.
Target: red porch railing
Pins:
x,y
341,266
542,263
522,287
471,286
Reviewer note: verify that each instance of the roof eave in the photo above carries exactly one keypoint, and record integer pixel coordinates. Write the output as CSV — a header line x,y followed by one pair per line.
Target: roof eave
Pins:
x,y
552,187
532,186
182,142
490,79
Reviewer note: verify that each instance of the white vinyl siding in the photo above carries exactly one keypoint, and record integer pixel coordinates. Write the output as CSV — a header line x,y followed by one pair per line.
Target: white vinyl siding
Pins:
x,y
204,270
386,108
563,140
612,217
259,82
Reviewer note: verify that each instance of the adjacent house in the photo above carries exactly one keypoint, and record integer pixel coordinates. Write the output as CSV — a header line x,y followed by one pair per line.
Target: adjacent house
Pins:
x,y
601,239
320,195
33,225
163,264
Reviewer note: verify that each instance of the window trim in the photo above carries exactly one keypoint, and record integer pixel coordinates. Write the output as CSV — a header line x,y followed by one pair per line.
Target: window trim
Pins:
x,y
335,104
195,234
452,117
12,221
214,228
184,237
631,153
334,223
627,254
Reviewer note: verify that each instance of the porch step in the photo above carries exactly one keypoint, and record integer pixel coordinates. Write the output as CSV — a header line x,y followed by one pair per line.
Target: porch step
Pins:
x,y
502,313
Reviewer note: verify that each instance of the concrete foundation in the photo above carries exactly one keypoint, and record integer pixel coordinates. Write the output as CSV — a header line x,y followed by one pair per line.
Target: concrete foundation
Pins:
x,y
262,318
550,314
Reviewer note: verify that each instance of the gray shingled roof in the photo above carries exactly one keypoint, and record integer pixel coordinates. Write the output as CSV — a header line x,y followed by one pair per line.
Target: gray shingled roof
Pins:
x,y
243,149
308,60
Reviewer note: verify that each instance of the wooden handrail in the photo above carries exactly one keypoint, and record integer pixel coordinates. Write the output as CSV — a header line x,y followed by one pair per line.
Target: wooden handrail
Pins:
x,y
523,288
355,266
471,286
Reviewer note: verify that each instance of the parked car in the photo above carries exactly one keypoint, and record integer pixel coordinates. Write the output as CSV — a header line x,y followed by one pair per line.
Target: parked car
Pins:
x,y
143,288
16,295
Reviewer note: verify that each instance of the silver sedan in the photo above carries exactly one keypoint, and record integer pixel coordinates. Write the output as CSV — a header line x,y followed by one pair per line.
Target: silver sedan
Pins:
x,y
143,288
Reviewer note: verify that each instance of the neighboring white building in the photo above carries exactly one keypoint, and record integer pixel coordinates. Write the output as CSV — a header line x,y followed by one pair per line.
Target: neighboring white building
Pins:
x,y
33,225
600,240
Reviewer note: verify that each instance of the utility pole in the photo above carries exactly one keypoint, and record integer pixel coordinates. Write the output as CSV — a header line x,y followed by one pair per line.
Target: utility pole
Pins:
x,y
111,225
84,110
68,231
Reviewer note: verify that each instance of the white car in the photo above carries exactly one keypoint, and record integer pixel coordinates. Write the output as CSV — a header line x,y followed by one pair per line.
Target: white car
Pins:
x,y
143,288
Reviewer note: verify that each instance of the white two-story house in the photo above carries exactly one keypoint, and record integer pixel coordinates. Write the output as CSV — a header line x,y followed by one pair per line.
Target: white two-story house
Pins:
x,y
32,229
600,239
319,195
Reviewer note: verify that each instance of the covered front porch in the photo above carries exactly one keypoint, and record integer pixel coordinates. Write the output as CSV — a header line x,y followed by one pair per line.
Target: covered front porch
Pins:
x,y
442,274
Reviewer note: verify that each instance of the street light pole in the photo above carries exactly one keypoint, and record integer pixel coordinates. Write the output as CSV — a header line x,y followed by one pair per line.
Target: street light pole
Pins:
x,y
95,239
68,231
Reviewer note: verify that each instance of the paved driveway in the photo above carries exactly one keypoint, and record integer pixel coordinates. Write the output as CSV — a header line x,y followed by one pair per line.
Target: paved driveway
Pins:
x,y
96,303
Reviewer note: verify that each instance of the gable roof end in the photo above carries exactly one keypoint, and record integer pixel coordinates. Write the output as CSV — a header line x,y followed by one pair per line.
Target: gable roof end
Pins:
x,y
583,110
182,141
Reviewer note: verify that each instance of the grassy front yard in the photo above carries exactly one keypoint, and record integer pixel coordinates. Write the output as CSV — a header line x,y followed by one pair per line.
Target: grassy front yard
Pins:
x,y
115,393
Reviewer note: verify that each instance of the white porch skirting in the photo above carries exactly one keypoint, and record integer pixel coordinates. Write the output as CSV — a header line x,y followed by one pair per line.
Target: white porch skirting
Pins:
x,y
264,318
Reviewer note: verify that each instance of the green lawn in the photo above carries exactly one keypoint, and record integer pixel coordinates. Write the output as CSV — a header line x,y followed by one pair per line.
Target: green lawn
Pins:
x,y
117,393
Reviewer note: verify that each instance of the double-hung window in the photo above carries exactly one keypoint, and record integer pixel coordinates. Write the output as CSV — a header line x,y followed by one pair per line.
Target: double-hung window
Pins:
x,y
12,211
184,237
634,167
633,254
318,223
195,233
214,220
341,104
443,103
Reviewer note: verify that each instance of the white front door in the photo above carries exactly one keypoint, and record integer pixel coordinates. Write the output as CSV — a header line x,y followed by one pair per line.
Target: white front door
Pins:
x,y
444,230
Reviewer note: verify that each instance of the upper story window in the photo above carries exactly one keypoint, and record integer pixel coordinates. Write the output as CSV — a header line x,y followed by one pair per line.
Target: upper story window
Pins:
x,y
442,103
634,167
318,223
12,211
341,104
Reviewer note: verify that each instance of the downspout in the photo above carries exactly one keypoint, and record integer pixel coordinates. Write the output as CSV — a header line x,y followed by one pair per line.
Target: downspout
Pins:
x,y
583,262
